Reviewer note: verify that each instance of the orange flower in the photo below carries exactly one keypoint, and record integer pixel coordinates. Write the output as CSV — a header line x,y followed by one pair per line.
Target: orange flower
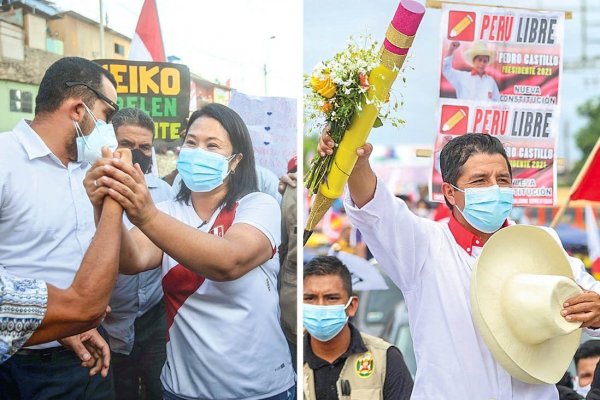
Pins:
x,y
327,107
324,87
364,81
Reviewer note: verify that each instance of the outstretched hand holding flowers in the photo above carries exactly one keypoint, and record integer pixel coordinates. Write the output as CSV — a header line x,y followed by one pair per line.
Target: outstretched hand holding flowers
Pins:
x,y
337,88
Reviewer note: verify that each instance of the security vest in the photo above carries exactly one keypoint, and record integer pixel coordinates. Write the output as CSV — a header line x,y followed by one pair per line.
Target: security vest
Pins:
x,y
365,373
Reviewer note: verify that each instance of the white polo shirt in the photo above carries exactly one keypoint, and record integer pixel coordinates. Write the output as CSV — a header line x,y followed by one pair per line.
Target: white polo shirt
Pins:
x,y
469,85
46,218
224,338
431,263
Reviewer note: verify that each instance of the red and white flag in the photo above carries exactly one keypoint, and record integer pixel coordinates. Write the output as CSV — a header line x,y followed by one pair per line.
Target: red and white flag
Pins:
x,y
147,44
587,185
593,240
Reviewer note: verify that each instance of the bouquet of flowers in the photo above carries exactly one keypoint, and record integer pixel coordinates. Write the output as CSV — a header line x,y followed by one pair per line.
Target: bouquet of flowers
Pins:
x,y
337,88
352,92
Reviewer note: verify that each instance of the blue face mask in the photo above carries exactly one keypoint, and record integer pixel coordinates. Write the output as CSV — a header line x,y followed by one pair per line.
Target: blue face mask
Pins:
x,y
89,148
486,208
325,322
202,170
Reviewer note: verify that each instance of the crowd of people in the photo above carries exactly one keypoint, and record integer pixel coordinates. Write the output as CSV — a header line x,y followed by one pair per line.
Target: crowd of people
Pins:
x,y
162,292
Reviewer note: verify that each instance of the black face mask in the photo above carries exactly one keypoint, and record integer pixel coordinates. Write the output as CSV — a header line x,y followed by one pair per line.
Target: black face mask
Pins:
x,y
138,156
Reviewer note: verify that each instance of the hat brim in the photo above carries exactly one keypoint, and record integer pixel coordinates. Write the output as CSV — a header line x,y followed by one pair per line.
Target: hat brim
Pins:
x,y
510,251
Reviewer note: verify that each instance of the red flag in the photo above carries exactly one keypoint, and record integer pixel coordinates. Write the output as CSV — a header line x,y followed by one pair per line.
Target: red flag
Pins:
x,y
147,44
587,184
593,240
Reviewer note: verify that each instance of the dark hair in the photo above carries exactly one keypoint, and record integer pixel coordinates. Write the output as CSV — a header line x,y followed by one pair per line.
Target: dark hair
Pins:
x,y
329,265
588,349
53,89
566,381
132,117
244,180
457,151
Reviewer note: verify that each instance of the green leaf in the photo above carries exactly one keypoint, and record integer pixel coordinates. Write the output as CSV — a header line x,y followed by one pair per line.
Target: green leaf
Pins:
x,y
377,123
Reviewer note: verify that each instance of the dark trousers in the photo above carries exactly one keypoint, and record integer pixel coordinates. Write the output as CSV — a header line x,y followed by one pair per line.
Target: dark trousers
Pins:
x,y
51,374
289,394
137,375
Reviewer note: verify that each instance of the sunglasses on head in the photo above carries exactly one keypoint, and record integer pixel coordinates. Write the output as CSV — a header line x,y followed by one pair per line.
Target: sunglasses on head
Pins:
x,y
97,93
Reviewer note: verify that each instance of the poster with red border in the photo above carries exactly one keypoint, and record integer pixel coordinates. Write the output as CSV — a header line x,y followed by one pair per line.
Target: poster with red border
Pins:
x,y
500,70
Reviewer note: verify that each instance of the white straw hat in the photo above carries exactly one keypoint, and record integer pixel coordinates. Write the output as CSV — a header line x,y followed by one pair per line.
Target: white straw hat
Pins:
x,y
518,286
479,49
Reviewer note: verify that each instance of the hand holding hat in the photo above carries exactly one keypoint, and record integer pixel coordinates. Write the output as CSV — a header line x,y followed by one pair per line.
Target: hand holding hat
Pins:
x,y
519,285
584,308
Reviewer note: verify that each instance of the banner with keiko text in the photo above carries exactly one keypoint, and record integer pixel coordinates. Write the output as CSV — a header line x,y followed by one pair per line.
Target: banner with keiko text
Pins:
x,y
500,73
161,90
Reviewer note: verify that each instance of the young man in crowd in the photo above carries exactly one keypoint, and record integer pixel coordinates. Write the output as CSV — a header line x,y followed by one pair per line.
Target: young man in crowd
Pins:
x,y
338,359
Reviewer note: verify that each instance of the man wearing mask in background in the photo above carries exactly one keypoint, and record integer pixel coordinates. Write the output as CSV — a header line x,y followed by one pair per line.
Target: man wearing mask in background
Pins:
x,y
586,359
47,220
431,263
339,360
137,323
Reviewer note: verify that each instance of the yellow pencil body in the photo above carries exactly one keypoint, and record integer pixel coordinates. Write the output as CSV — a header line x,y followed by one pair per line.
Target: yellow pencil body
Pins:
x,y
461,26
381,80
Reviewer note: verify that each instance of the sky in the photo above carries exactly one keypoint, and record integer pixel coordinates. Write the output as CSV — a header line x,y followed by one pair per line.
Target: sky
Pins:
x,y
327,25
221,40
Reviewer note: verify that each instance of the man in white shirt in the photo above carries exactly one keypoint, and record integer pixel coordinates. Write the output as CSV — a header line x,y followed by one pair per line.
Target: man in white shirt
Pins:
x,y
137,324
34,312
475,84
46,218
431,263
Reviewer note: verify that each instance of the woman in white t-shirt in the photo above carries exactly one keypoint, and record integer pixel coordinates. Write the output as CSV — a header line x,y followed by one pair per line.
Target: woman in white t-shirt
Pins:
x,y
216,244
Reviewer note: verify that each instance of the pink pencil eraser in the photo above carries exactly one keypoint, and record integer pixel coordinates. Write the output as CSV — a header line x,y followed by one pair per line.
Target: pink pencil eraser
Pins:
x,y
406,20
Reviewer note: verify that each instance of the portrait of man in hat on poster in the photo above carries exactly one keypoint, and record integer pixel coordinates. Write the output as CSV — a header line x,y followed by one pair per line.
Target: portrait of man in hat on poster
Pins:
x,y
475,84
495,309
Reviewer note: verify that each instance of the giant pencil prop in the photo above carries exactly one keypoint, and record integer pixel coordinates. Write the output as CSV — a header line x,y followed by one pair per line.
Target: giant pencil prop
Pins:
x,y
398,39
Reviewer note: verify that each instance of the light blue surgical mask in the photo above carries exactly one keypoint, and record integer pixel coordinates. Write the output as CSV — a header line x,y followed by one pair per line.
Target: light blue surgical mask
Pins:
x,y
202,170
325,322
583,390
89,148
486,208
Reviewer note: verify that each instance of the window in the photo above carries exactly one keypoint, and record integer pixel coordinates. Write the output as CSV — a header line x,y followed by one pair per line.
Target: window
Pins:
x,y
21,101
119,49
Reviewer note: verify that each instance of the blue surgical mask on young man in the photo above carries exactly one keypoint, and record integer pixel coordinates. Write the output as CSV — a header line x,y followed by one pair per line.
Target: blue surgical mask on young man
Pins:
x,y
487,208
202,170
89,148
325,322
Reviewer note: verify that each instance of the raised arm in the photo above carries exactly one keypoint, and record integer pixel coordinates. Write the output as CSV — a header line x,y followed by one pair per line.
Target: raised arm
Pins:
x,y
244,247
82,306
451,74
241,249
399,240
362,181
137,252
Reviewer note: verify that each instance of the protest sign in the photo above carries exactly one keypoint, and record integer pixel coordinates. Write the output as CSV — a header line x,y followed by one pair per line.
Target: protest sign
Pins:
x,y
161,90
272,125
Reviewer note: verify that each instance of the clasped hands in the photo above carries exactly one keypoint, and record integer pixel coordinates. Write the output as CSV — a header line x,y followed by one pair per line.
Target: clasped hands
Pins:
x,y
125,183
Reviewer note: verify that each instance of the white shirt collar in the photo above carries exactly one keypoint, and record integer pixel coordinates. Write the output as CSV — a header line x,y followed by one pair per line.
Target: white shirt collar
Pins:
x,y
32,142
